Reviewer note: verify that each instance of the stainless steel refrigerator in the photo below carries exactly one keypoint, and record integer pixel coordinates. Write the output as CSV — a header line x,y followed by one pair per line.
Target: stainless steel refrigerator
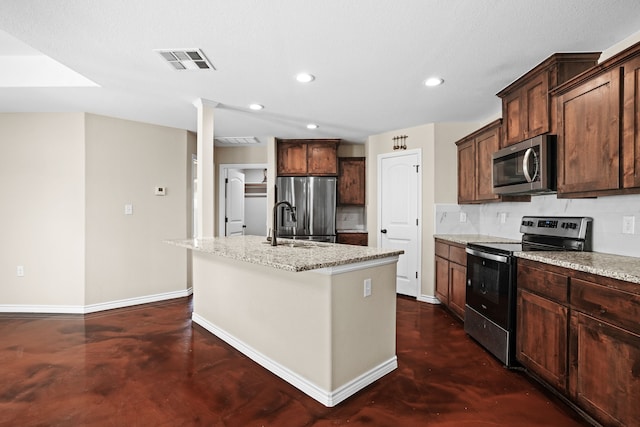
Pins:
x,y
314,201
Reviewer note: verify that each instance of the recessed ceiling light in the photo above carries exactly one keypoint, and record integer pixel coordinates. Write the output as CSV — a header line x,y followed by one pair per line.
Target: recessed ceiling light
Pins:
x,y
256,107
433,81
305,77
312,126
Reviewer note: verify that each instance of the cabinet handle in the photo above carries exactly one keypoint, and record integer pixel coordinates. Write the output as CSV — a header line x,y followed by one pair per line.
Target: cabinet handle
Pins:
x,y
383,231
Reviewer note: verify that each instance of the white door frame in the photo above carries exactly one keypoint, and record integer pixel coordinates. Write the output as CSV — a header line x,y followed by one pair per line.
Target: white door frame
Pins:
x,y
222,174
417,151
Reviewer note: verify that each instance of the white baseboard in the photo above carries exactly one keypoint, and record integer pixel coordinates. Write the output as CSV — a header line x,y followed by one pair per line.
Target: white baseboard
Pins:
x,y
92,308
326,397
429,299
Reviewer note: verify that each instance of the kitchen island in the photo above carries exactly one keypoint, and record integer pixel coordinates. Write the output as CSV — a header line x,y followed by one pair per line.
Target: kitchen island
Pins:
x,y
299,309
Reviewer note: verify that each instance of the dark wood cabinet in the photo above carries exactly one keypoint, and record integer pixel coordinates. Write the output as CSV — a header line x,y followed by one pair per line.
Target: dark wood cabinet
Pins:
x,y
358,239
579,332
451,275
351,181
475,165
466,171
589,135
543,323
527,109
631,124
599,129
307,157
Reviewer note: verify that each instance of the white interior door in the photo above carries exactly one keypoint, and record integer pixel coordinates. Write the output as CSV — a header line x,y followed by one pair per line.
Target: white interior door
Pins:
x,y
234,203
399,214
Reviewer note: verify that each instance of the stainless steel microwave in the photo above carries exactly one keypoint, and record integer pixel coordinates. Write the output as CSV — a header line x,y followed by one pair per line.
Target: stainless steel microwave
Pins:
x,y
528,167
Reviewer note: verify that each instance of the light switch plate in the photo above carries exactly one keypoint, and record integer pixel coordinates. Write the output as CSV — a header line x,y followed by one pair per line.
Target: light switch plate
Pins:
x,y
128,209
463,217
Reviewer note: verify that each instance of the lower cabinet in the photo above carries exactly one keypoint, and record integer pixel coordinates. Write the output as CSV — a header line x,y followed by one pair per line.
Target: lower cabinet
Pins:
x,y
543,323
451,275
580,334
358,239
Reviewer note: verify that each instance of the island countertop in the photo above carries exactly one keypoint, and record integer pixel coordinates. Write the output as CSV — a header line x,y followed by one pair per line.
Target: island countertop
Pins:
x,y
290,255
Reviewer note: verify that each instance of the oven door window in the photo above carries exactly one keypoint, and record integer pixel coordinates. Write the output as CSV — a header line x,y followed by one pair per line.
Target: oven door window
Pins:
x,y
488,283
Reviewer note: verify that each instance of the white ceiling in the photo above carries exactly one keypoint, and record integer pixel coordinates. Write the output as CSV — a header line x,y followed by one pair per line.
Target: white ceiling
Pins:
x,y
370,58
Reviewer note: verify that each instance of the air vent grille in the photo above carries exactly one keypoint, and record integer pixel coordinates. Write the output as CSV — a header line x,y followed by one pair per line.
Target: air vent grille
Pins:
x,y
186,59
237,140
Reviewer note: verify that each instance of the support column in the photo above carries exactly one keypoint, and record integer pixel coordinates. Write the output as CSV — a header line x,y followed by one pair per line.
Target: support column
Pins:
x,y
205,193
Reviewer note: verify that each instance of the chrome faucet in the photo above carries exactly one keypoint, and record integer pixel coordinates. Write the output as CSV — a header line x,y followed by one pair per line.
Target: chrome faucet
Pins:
x,y
274,228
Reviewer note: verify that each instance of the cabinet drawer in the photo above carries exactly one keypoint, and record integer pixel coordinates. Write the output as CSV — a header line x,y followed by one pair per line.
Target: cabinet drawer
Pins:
x,y
546,283
458,255
442,250
612,305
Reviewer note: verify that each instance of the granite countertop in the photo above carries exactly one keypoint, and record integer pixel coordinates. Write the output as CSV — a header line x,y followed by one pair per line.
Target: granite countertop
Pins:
x,y
290,255
463,239
619,267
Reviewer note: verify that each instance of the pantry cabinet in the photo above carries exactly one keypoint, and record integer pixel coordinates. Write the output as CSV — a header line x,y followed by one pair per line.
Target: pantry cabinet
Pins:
x,y
307,157
599,129
527,109
451,275
579,333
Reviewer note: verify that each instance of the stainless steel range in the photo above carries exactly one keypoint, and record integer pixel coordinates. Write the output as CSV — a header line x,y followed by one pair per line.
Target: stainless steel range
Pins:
x,y
490,312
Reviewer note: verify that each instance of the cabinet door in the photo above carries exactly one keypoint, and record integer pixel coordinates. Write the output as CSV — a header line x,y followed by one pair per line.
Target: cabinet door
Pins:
x,y
351,181
292,158
457,288
541,337
588,135
466,172
442,280
486,144
322,158
605,370
631,125
512,110
536,112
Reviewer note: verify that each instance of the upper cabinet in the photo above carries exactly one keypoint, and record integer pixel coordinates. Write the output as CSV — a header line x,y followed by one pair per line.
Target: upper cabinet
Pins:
x,y
475,165
598,129
527,109
351,181
307,157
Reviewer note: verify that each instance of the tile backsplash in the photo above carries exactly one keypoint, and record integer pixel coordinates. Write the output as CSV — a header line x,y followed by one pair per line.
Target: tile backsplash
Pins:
x,y
350,218
503,219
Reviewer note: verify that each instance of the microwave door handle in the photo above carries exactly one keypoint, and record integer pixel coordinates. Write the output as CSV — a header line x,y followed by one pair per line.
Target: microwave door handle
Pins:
x,y
525,165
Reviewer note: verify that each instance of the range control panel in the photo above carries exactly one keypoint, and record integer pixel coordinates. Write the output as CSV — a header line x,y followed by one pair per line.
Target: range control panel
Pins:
x,y
570,227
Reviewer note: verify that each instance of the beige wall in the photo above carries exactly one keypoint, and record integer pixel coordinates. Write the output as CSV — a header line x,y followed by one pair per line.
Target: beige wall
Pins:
x,y
439,181
125,254
42,217
66,178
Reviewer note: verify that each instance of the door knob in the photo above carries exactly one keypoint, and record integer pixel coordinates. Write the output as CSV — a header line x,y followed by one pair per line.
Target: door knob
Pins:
x,y
383,231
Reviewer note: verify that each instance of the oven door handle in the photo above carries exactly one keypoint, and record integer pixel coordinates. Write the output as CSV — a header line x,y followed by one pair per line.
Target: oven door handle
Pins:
x,y
499,258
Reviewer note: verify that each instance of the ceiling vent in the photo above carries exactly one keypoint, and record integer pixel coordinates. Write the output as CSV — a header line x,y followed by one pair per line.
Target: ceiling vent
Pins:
x,y
186,59
237,140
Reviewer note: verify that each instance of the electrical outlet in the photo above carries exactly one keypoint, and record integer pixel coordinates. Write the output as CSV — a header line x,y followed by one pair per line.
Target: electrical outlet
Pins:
x,y
367,287
128,209
503,217
628,225
463,217
20,271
